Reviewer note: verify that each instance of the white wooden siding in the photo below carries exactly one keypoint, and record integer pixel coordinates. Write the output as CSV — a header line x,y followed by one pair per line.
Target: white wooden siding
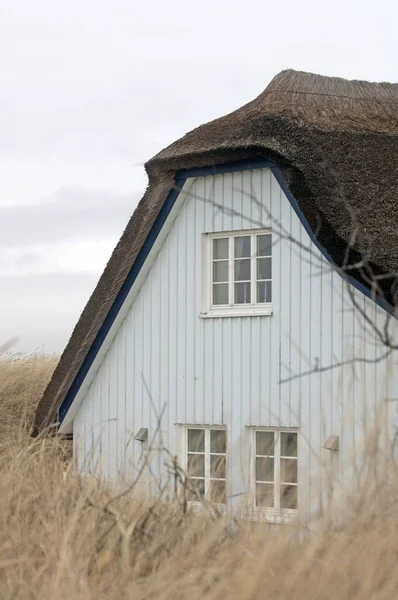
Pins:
x,y
228,371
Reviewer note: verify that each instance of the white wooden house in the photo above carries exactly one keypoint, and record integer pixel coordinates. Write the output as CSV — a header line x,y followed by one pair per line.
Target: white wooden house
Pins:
x,y
246,317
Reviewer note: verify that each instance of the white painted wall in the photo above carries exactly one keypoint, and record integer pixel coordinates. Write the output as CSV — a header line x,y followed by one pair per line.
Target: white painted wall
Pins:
x,y
228,370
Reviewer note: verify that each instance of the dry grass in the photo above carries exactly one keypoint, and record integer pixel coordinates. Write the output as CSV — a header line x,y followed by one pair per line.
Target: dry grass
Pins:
x,y
60,538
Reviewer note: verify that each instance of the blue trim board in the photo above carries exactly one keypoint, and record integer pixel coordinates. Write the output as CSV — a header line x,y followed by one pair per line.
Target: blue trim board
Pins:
x,y
120,298
180,179
356,284
243,165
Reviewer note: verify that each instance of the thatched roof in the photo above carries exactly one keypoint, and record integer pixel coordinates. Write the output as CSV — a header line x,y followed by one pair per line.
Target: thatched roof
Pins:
x,y
336,143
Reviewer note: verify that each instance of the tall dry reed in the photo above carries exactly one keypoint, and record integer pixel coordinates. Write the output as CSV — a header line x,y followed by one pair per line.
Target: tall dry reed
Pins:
x,y
65,538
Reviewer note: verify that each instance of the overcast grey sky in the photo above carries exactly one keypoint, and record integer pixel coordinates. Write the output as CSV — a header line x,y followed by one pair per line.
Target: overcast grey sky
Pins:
x,y
92,88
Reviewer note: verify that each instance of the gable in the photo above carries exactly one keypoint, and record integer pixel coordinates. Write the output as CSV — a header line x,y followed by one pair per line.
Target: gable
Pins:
x,y
263,202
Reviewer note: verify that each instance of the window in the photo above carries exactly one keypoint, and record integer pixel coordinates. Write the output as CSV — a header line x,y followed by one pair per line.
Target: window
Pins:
x,y
206,463
240,272
275,470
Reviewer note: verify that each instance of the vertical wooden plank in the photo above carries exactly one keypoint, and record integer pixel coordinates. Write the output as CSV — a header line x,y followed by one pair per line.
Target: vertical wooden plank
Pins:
x,y
264,408
208,203
295,320
121,400
303,381
217,331
246,371
237,201
139,335
130,376
266,198
155,341
88,430
78,440
284,267
248,222
217,197
315,282
276,324
336,383
255,357
236,424
217,392
257,211
104,431
157,419
347,374
172,352
192,309
97,409
327,323
148,418
164,317
199,349
226,372
227,201
181,314
208,327
113,409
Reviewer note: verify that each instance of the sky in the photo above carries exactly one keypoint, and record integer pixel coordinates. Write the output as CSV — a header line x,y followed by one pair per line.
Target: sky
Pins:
x,y
91,89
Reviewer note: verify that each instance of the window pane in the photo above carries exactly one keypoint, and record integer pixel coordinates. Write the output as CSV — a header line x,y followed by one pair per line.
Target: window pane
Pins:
x,y
220,270
288,496
217,492
218,441
265,443
217,466
196,489
242,247
196,465
264,270
288,470
264,245
242,293
288,444
264,291
220,248
242,270
220,293
196,440
264,494
265,469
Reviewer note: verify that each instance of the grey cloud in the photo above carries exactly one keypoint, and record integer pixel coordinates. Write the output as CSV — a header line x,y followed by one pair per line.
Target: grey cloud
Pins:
x,y
70,213
90,89
41,310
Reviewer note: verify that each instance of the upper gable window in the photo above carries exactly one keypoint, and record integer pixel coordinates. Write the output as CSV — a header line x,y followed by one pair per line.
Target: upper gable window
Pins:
x,y
239,273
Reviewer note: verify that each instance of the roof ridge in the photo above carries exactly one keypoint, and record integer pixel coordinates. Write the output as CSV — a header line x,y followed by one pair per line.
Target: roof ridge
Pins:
x,y
374,100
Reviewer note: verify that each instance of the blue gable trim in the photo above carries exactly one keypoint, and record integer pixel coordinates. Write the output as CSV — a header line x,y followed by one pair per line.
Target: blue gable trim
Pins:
x,y
356,284
120,298
180,179
243,165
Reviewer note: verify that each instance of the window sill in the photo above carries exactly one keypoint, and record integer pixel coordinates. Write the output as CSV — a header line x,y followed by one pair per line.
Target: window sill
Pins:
x,y
198,507
237,312
272,515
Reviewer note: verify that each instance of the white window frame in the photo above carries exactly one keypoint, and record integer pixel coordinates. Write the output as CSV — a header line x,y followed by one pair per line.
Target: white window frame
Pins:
x,y
229,310
274,514
207,479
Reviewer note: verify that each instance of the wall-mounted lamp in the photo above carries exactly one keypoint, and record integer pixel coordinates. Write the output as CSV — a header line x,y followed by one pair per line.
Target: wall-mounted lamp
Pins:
x,y
142,435
332,443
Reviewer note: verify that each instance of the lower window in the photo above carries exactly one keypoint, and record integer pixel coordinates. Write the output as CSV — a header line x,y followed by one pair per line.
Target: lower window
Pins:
x,y
206,463
276,469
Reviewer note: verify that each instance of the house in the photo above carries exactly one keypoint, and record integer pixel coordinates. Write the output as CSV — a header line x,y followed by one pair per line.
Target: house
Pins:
x,y
248,312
